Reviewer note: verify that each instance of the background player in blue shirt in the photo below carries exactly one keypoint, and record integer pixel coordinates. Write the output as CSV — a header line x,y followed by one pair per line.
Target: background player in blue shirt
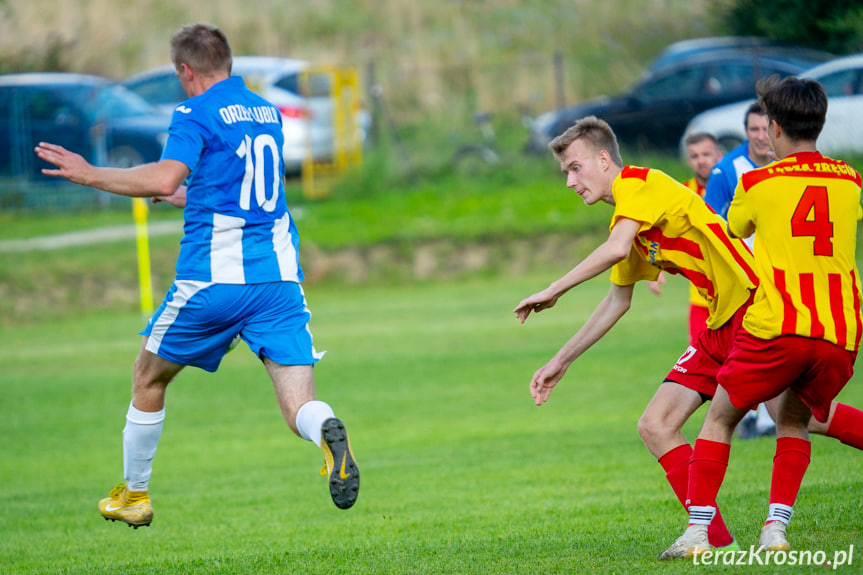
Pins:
x,y
751,154
238,271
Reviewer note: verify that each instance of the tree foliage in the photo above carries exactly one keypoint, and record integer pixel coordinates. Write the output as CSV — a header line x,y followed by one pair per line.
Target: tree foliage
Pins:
x,y
835,26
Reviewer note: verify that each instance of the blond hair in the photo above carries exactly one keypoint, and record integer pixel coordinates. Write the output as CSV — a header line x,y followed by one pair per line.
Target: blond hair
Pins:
x,y
597,133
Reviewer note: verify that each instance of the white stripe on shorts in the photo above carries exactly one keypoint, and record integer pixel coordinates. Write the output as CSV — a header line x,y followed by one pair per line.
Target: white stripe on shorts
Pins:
x,y
315,353
186,290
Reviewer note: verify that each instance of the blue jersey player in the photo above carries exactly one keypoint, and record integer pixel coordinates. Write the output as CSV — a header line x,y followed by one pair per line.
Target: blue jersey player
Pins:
x,y
751,154
238,271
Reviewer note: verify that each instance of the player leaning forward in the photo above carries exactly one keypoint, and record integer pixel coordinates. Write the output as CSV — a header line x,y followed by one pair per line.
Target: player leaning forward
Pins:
x,y
801,334
238,270
659,224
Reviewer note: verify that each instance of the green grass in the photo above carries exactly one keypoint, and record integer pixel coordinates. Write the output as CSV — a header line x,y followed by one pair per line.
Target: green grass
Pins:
x,y
461,473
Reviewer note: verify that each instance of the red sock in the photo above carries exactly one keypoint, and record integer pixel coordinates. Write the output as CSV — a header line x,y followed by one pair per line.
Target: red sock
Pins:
x,y
789,467
707,470
847,425
676,466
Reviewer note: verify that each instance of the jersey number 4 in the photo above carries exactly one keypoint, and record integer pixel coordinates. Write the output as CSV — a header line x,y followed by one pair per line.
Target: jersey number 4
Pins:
x,y
819,227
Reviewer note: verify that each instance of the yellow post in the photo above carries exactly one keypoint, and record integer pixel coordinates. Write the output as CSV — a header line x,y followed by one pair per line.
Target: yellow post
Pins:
x,y
139,213
346,150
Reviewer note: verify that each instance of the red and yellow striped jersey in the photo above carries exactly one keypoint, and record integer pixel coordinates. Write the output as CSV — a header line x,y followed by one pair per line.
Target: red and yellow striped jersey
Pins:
x,y
681,234
803,211
695,298
695,186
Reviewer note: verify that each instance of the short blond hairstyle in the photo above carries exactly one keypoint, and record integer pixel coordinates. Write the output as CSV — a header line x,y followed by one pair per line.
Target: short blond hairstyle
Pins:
x,y
595,132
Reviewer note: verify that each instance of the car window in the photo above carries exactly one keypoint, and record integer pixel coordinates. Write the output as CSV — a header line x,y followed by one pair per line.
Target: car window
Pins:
x,y
161,90
108,100
51,105
841,83
686,81
289,83
117,102
731,78
315,84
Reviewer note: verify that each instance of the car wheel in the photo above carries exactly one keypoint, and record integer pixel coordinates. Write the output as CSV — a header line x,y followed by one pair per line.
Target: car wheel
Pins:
x,y
124,157
728,143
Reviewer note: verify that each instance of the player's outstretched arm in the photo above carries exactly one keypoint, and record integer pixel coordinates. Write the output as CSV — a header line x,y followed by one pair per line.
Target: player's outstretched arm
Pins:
x,y
537,302
606,314
545,379
177,199
147,180
614,249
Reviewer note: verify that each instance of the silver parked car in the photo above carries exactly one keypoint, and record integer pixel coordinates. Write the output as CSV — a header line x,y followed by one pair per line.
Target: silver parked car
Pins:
x,y
842,79
307,120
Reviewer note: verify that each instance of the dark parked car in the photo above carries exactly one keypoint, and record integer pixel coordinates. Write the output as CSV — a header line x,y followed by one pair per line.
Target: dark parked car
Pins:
x,y
90,115
654,113
679,51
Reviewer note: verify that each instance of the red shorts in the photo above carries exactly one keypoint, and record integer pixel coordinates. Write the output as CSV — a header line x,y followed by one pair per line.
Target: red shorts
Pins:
x,y
760,369
698,366
698,315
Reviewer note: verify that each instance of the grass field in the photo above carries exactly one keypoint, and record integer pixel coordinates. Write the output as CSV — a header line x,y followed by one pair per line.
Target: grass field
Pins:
x,y
461,473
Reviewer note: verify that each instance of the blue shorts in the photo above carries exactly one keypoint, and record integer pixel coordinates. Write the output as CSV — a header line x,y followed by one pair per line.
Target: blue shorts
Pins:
x,y
197,322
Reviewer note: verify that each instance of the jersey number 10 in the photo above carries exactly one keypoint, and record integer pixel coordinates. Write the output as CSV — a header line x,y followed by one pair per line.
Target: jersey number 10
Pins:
x,y
255,154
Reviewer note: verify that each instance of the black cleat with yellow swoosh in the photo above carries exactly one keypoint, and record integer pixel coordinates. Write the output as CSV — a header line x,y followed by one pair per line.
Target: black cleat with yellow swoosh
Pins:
x,y
344,475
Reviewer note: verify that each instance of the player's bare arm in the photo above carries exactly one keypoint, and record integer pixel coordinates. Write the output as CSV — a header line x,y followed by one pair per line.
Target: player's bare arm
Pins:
x,y
606,314
614,249
177,199
147,180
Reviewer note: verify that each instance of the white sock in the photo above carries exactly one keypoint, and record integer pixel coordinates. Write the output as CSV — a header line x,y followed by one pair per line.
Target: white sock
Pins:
x,y
779,512
701,515
140,438
310,417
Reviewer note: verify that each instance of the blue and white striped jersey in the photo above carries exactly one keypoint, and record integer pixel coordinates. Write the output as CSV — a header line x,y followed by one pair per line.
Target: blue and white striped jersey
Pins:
x,y
237,226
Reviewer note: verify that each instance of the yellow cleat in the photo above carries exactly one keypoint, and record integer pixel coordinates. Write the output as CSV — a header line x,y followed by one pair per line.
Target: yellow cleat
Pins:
x,y
131,507
340,463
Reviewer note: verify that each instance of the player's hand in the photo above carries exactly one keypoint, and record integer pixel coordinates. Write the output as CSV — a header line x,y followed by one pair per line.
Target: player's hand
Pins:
x,y
537,302
656,286
177,199
70,165
544,381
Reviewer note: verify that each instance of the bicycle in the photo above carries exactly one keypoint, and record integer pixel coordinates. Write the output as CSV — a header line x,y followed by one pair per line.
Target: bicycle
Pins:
x,y
478,157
